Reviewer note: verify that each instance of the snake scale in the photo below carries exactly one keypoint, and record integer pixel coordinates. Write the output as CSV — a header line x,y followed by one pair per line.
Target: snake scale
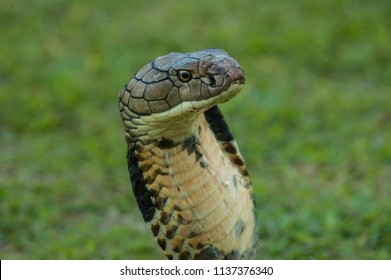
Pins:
x,y
188,176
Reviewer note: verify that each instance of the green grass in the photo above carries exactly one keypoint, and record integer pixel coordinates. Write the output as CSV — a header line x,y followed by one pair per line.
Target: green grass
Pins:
x,y
313,121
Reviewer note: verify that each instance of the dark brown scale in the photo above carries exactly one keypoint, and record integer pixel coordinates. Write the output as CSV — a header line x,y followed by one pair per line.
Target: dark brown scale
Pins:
x,y
198,154
150,213
162,243
177,208
145,167
229,148
177,244
184,254
150,179
160,202
238,161
169,256
164,217
154,192
171,230
161,171
155,228
245,173
182,221
192,234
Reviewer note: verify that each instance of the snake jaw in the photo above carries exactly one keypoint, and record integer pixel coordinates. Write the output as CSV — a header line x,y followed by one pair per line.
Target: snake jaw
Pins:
x,y
179,120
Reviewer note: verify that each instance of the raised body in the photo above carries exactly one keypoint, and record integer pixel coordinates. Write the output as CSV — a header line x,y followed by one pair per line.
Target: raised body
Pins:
x,y
188,176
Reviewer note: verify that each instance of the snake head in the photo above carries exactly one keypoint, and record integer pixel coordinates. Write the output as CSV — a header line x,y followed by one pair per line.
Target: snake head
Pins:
x,y
183,82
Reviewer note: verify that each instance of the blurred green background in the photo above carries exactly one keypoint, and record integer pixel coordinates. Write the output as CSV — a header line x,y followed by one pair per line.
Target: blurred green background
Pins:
x,y
313,121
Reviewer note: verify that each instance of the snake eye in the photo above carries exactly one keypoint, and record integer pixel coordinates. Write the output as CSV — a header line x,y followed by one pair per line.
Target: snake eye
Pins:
x,y
184,76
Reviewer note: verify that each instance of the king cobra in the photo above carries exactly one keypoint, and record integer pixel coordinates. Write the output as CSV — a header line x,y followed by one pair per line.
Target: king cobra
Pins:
x,y
188,176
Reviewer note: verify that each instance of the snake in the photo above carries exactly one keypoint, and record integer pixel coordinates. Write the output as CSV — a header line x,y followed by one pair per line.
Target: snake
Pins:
x,y
189,179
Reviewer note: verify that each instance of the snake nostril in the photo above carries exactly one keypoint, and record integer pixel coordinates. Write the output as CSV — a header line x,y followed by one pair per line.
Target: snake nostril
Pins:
x,y
212,80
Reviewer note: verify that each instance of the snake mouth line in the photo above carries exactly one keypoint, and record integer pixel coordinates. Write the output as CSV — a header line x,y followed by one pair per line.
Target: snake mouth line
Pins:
x,y
196,106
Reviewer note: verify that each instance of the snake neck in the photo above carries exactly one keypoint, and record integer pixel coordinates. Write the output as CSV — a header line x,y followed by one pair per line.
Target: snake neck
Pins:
x,y
177,149
192,195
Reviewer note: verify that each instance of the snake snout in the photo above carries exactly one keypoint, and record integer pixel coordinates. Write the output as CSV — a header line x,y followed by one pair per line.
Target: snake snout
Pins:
x,y
236,75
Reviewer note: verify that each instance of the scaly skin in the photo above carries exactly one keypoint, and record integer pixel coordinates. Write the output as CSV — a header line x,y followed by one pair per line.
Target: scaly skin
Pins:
x,y
188,176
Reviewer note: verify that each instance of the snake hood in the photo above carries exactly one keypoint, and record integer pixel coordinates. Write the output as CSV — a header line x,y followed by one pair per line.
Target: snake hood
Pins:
x,y
189,179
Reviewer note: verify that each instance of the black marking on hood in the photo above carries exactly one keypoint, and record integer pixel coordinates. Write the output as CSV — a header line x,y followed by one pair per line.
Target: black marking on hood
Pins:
x,y
218,125
143,196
